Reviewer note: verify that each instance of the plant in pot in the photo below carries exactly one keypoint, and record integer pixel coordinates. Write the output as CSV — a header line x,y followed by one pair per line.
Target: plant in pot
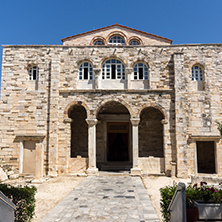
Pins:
x,y
192,211
208,201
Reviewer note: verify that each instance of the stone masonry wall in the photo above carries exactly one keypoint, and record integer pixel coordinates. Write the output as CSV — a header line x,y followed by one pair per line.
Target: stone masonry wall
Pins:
x,y
27,111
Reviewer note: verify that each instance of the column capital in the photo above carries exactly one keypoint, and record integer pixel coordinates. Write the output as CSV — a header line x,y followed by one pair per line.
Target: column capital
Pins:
x,y
91,122
67,120
135,121
129,70
97,71
164,121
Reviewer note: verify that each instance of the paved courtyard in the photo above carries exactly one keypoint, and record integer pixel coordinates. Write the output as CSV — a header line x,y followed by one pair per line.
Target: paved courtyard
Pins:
x,y
105,198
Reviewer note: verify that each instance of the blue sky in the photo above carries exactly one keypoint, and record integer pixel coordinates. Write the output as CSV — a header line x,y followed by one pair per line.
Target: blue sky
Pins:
x,y
48,21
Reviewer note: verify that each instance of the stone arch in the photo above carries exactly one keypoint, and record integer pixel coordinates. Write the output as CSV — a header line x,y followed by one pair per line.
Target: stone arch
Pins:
x,y
30,65
116,33
135,38
113,142
199,85
98,38
138,59
151,133
79,131
122,102
120,58
198,63
156,106
78,62
70,105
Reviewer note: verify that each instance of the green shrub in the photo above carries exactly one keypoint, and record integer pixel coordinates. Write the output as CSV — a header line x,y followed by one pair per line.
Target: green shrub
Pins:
x,y
207,194
166,197
23,198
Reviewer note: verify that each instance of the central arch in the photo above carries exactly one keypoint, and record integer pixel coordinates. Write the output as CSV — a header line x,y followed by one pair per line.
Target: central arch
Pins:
x,y
113,137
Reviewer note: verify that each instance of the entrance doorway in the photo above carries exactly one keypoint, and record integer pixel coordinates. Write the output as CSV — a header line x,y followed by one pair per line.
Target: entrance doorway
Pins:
x,y
206,157
117,142
113,138
29,157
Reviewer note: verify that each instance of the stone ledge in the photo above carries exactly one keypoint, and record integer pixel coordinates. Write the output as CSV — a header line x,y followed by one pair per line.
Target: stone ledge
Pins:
x,y
211,179
204,137
110,46
30,136
115,90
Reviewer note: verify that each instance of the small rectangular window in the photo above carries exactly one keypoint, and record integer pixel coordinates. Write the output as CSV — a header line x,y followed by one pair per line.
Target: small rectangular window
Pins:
x,y
85,73
113,71
140,73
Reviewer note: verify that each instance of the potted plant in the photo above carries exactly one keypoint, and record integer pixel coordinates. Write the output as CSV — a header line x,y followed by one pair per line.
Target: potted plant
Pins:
x,y
208,201
192,211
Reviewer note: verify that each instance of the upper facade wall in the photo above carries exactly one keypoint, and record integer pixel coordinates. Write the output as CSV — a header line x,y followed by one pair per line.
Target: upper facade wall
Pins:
x,y
66,61
106,33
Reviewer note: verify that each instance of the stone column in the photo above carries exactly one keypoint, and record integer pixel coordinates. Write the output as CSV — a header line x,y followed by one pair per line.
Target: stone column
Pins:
x,y
181,100
168,167
135,142
173,169
75,77
195,157
67,134
96,73
53,115
21,156
128,77
92,146
39,162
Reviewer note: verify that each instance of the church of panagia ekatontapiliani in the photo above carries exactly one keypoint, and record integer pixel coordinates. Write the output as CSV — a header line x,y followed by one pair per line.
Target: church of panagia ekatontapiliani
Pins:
x,y
113,98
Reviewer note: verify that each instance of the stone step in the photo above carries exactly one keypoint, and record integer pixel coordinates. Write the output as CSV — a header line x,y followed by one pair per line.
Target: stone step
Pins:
x,y
115,167
114,173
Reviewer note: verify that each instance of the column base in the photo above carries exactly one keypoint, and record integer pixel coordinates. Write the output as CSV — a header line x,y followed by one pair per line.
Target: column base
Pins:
x,y
173,170
52,174
92,171
37,181
136,171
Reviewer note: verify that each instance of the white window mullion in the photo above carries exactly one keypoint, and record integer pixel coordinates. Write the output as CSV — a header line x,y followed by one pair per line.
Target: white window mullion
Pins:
x,y
107,69
89,71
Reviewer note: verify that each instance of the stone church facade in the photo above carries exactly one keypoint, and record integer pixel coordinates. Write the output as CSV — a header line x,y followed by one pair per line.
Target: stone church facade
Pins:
x,y
113,98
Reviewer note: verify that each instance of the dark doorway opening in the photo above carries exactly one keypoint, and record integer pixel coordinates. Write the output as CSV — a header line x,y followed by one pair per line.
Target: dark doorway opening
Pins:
x,y
151,133
118,142
118,147
113,138
205,157
79,132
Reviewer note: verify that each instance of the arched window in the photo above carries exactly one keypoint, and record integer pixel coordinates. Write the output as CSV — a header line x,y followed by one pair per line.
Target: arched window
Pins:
x,y
197,73
117,40
140,71
134,42
33,73
99,42
113,69
85,71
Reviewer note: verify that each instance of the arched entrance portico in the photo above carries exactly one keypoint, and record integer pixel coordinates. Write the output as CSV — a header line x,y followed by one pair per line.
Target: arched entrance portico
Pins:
x,y
113,137
151,141
78,152
79,132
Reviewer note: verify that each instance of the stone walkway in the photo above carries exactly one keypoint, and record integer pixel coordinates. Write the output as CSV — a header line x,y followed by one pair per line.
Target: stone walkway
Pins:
x,y
105,198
